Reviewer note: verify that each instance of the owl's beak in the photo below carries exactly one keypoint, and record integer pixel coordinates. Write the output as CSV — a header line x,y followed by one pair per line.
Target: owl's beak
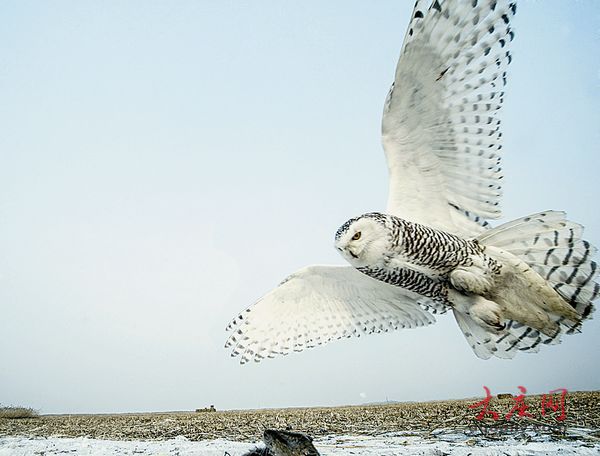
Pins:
x,y
346,250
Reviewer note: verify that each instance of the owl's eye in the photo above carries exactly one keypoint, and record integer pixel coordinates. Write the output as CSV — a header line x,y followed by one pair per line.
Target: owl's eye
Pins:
x,y
356,236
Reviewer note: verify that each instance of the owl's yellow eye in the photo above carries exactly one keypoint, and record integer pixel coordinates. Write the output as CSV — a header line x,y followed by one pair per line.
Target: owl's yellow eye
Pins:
x,y
356,236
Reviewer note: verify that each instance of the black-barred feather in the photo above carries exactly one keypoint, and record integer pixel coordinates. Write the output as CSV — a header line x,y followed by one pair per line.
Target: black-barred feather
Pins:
x,y
552,246
454,60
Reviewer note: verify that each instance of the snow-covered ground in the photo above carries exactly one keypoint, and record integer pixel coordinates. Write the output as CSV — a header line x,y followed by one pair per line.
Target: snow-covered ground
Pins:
x,y
454,444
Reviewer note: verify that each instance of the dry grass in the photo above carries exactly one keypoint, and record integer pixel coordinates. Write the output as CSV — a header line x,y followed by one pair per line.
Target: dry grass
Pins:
x,y
12,413
583,410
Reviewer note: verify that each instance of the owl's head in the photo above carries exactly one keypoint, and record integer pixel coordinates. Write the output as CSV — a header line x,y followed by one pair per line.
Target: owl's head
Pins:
x,y
363,241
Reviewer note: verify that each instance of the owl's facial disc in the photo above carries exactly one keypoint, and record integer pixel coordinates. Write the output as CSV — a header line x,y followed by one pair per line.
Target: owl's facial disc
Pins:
x,y
361,241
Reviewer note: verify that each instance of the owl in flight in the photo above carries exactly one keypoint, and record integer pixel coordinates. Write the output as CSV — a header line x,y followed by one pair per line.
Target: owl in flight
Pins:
x,y
511,288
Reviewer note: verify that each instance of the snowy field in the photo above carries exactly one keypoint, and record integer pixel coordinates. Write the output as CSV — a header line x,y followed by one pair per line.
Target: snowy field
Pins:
x,y
388,445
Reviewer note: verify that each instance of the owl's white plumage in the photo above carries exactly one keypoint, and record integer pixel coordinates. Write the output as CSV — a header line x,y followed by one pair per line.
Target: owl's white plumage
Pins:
x,y
318,304
441,131
510,288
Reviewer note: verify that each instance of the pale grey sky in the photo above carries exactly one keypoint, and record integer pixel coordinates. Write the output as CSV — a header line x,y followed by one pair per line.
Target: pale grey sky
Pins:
x,y
166,163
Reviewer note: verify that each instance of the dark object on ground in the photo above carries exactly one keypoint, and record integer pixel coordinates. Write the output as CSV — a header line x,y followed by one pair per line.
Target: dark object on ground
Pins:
x,y
504,396
206,409
256,452
285,443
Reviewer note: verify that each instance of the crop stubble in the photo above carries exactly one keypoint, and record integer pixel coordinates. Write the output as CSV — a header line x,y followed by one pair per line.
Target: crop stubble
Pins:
x,y
583,410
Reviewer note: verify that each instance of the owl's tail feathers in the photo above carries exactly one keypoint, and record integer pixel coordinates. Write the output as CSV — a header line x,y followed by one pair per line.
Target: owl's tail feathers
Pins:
x,y
546,289
501,343
552,247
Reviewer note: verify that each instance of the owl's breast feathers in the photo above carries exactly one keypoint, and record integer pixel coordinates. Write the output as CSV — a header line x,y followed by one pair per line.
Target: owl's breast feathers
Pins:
x,y
428,261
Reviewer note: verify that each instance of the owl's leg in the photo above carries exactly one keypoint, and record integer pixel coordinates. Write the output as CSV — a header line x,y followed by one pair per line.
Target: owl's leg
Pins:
x,y
475,278
485,313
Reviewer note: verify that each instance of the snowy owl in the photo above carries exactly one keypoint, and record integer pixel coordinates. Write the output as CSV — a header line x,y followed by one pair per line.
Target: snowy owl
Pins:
x,y
511,288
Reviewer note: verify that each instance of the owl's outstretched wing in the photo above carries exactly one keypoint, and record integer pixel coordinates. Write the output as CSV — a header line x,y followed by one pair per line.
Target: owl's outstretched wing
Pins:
x,y
318,304
441,131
